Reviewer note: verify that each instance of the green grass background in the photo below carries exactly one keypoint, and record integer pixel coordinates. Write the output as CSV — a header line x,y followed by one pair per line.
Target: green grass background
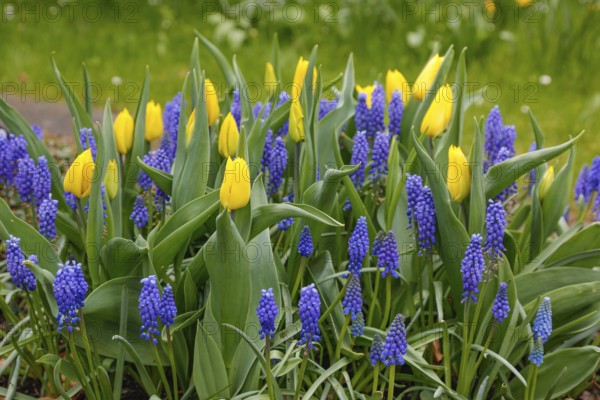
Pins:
x,y
507,52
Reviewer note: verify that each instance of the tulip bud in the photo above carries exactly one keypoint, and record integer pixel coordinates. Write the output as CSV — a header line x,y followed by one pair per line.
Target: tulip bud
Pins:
x,y
394,80
426,77
546,182
78,179
189,128
123,130
439,114
270,79
458,180
212,102
299,76
111,179
154,121
235,189
296,126
229,136
368,90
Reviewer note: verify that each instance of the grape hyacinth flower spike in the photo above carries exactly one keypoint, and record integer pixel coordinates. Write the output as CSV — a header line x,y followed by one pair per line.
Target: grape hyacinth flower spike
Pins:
x,y
309,309
376,353
495,223
70,288
305,244
542,329
139,215
358,246
47,212
168,309
501,307
150,309
353,301
472,268
395,345
21,276
387,256
266,312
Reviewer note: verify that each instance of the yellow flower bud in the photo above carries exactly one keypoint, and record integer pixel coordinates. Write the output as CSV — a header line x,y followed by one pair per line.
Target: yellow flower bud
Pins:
x,y
154,121
368,90
270,79
123,130
439,114
78,179
524,3
458,180
426,77
212,102
229,136
189,128
111,179
546,182
394,80
299,76
296,126
235,189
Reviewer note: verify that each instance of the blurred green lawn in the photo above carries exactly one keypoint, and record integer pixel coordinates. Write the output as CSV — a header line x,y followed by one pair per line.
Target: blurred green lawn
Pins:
x,y
513,54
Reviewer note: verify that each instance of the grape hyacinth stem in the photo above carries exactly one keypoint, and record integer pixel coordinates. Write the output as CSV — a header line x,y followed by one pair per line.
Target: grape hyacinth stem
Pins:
x,y
268,367
464,357
338,347
374,301
303,261
161,372
335,302
301,374
390,395
482,354
172,360
79,367
375,378
388,301
431,299
531,382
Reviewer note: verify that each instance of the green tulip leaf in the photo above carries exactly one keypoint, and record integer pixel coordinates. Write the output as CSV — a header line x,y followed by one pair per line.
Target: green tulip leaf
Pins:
x,y
162,179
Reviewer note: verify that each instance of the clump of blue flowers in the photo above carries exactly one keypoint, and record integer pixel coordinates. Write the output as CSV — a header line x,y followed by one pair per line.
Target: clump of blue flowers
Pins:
x,y
387,256
266,312
305,244
150,309
495,223
70,288
395,346
309,308
21,276
472,267
501,308
358,246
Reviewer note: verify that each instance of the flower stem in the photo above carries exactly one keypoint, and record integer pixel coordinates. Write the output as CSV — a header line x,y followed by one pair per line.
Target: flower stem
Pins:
x,y
338,347
431,299
392,378
88,354
161,371
447,357
301,375
388,301
375,378
303,261
268,368
466,346
531,383
373,299
482,354
172,360
335,302
79,367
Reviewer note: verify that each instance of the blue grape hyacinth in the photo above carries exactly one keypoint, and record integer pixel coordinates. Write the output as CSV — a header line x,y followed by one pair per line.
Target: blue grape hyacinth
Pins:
x,y
594,175
358,246
168,309
414,186
542,325
21,276
395,113
277,164
236,108
376,353
387,256
472,268
266,312
150,309
583,188
70,288
283,98
426,220
139,215
87,140
24,178
47,216
42,181
537,355
309,308
358,325
171,126
395,345
377,111
362,114
377,243
305,244
326,106
495,224
352,301
501,308
507,192
381,149
360,155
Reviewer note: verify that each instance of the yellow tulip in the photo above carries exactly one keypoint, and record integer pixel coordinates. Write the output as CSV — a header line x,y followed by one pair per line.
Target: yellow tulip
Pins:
x,y
394,80
212,102
189,128
439,114
270,79
229,136
154,121
123,130
299,76
458,180
78,179
296,126
489,8
426,77
235,189
368,90
524,3
546,182
111,179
